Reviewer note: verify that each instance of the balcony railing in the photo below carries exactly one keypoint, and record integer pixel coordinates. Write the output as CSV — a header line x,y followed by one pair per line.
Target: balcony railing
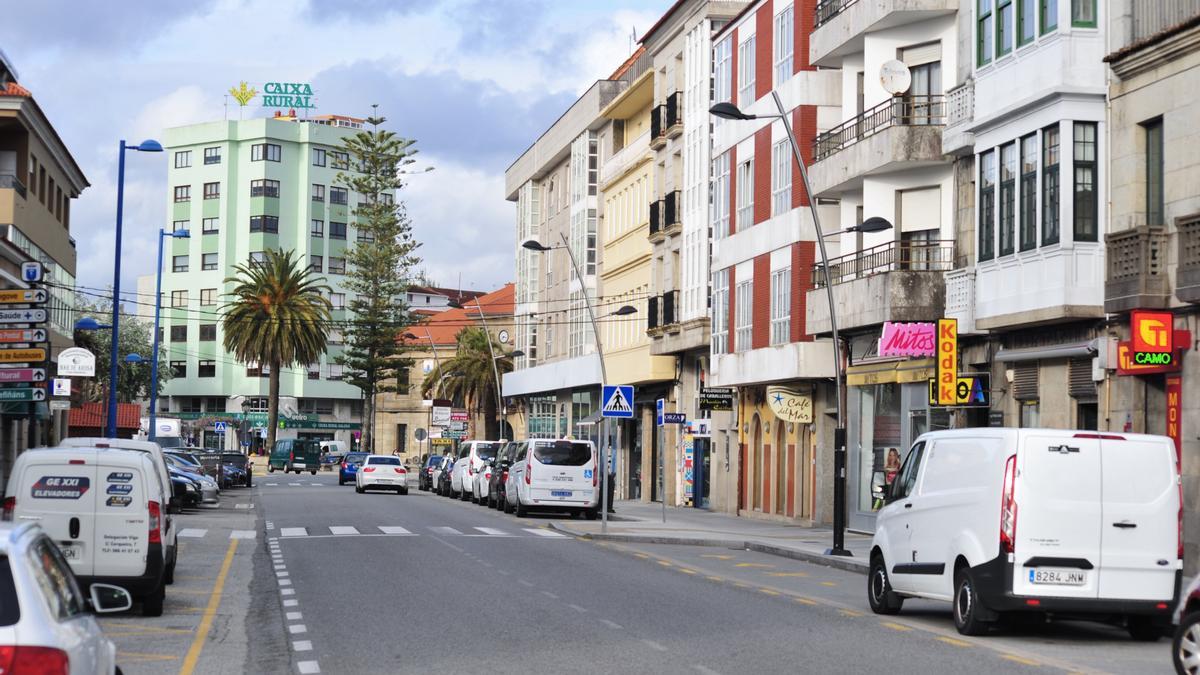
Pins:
x,y
670,303
10,182
652,313
1137,269
827,9
929,110
918,256
671,204
656,217
1187,275
673,112
656,122
960,103
1150,18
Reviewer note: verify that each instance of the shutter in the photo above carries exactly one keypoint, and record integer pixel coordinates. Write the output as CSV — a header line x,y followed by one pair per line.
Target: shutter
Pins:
x,y
921,210
1081,385
927,53
1025,381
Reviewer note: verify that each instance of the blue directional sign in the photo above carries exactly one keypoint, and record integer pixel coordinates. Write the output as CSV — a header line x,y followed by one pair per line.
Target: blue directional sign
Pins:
x,y
659,405
674,418
616,400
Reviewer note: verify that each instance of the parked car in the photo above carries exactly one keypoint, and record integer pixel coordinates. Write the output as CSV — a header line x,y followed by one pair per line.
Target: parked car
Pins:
x,y
232,476
1033,520
46,621
1185,650
186,489
557,475
104,508
471,456
295,454
349,466
425,475
243,464
381,472
441,476
499,474
210,492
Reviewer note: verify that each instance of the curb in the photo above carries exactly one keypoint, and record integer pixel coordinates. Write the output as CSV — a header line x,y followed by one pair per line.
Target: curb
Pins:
x,y
836,562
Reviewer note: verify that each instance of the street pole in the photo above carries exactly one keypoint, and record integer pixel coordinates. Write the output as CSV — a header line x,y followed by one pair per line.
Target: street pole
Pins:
x,y
662,467
495,371
154,357
111,426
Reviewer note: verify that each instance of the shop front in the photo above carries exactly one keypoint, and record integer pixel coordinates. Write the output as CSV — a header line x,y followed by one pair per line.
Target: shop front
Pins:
x,y
777,467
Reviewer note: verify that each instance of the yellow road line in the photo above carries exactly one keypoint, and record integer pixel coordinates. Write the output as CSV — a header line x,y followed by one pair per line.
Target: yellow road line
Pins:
x,y
896,626
717,556
686,571
193,655
786,574
141,656
952,641
640,555
1020,659
806,601
664,563
850,612
829,583
753,565
714,578
768,591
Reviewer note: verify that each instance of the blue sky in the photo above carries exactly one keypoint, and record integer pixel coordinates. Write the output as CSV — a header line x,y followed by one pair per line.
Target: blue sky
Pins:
x,y
473,81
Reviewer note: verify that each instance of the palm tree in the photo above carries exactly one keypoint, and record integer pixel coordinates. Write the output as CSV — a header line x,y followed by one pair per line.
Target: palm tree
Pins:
x,y
278,317
468,376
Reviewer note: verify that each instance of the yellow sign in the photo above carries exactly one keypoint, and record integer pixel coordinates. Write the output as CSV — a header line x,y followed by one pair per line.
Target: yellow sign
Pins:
x,y
947,361
243,93
22,355
34,295
790,405
442,441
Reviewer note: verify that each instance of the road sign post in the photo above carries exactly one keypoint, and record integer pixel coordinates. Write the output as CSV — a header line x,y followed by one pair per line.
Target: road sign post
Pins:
x,y
616,400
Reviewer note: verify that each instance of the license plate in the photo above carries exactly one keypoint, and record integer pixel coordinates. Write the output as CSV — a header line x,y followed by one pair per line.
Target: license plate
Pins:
x,y
560,493
298,465
70,551
1058,577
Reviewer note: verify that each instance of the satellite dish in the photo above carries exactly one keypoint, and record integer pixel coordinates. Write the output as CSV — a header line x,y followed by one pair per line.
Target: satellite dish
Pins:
x,y
895,77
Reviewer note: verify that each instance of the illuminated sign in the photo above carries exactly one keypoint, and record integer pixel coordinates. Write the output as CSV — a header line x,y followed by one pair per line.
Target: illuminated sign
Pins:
x,y
287,95
1152,336
1175,413
947,361
907,339
970,391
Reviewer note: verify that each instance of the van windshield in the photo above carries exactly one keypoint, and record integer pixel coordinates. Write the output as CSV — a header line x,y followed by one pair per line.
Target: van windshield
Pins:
x,y
169,441
563,453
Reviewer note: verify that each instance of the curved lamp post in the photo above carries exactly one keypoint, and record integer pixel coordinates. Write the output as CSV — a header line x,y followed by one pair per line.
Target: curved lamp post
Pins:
x,y
162,234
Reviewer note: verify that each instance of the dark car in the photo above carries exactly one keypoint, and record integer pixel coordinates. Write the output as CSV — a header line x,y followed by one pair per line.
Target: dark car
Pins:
x,y
349,466
504,458
443,484
425,475
242,463
186,489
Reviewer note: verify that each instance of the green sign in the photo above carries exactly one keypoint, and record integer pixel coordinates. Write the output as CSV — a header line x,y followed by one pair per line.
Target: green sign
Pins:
x,y
287,95
26,394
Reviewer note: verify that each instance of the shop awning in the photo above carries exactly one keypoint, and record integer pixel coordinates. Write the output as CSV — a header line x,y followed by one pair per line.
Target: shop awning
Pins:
x,y
884,372
1061,351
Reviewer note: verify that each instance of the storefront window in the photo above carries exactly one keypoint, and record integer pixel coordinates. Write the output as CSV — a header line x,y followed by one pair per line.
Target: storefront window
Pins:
x,y
542,417
880,450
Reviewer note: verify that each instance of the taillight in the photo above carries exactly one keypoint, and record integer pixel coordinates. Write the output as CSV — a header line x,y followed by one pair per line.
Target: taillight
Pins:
x,y
528,472
488,475
1008,506
10,505
596,476
155,523
345,465
504,477
399,469
291,456
368,469
42,660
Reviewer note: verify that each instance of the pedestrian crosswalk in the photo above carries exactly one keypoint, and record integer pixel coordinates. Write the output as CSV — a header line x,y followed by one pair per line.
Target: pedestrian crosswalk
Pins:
x,y
333,531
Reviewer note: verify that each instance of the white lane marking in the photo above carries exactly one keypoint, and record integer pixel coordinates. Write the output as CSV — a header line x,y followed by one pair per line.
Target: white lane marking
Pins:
x,y
297,628
291,603
317,484
243,534
504,572
281,567
243,506
706,671
302,645
192,532
611,624
577,608
545,533
282,574
445,530
270,525
492,531
272,484
654,645
294,616
287,591
393,529
295,483
524,583
285,582
308,667
294,532
550,595
343,529
272,539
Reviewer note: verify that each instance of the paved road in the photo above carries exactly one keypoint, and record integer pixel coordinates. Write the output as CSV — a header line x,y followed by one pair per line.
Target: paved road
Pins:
x,y
419,583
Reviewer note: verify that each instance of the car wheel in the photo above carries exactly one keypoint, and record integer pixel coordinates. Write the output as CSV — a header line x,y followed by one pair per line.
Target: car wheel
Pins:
x,y
340,481
270,468
313,472
508,508
882,598
1145,629
358,489
1186,646
521,510
591,514
169,573
152,605
967,607
403,491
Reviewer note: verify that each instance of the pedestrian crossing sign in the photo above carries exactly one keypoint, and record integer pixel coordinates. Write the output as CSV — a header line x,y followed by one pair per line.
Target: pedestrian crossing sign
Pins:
x,y
616,401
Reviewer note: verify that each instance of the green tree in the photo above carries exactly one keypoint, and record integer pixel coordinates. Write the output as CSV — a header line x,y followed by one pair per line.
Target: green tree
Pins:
x,y
277,316
379,265
468,376
136,337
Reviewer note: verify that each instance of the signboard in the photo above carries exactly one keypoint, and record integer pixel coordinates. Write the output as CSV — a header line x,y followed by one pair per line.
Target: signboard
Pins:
x,y
60,405
439,415
287,95
420,434
947,362
908,339
616,400
458,415
659,406
969,391
32,271
25,296
790,405
1175,413
77,362
24,394
454,433
458,426
1152,337
700,428
716,398
220,427
22,375
25,335
996,418
674,418
22,316
22,355
689,475
62,386
441,442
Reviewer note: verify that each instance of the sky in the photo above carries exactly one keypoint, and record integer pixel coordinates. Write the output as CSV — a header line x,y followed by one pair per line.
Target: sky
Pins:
x,y
474,82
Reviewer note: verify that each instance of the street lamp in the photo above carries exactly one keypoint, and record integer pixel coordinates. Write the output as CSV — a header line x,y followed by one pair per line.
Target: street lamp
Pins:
x,y
88,323
729,111
495,370
144,146
162,234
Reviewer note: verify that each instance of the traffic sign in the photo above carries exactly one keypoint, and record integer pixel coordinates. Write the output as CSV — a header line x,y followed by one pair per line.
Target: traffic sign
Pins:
x,y
62,386
26,335
31,271
22,316
453,433
22,355
659,407
420,434
616,400
219,427
30,295
674,418
22,375
60,404
25,394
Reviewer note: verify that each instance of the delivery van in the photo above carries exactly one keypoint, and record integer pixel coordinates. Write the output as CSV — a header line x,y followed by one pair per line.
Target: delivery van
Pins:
x,y
295,454
553,475
1061,523
103,508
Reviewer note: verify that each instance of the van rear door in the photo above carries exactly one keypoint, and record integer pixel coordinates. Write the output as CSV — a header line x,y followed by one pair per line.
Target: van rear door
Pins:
x,y
1139,532
1056,551
122,523
563,471
57,492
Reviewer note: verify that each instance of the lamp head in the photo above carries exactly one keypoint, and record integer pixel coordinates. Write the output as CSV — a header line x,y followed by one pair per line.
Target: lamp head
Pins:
x,y
625,310
729,111
534,245
182,234
515,353
88,323
134,358
871,225
149,145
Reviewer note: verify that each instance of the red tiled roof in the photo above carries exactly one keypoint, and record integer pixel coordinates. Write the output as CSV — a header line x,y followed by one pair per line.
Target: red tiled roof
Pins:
x,y
14,89
129,415
444,327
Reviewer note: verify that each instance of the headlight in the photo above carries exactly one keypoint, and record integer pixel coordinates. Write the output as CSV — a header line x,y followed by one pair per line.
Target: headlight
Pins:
x,y
190,487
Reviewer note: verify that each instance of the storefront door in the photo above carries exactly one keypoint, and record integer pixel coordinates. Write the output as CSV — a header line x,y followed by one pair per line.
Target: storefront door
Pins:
x,y
701,462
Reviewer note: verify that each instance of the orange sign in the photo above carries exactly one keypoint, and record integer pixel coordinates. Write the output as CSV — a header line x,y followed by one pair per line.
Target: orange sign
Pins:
x,y
1152,332
1175,412
947,361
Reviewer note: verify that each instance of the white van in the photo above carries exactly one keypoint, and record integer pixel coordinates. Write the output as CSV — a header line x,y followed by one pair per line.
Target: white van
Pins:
x,y
104,509
555,475
1064,523
472,455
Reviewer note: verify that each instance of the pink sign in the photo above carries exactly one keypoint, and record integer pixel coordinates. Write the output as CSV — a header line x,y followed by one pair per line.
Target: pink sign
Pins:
x,y
907,339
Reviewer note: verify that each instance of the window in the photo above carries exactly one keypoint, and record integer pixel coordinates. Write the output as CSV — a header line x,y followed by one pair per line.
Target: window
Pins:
x,y
1029,415
744,321
179,368
1049,13
1083,13
258,258
720,197
252,370
210,226
212,155
367,236
339,160
264,224
179,263
987,205
337,265
1026,21
339,195
722,71
179,333
316,263
179,225
265,151
906,479
1154,171
337,230
318,192
208,297
264,188
215,404
783,46
208,332
1004,27
983,33
183,193
335,337
208,261
337,300
1050,185
335,371
314,371
1028,210
781,177
179,298
183,159
745,196
212,190
206,368
318,156
781,306
1008,176
746,72
1085,186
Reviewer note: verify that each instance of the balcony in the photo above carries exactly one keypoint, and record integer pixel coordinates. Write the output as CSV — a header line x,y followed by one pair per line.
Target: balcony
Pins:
x,y
665,217
839,25
901,132
1187,274
957,139
1045,285
653,324
656,221
673,115
960,298
670,314
1137,270
896,281
10,182
657,137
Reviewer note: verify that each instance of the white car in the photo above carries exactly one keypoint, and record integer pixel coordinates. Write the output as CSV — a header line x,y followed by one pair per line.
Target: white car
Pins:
x,y
446,464
471,457
381,472
553,475
46,622
480,483
1049,521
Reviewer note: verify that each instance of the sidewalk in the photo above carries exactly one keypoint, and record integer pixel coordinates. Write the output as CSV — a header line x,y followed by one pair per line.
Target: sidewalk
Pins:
x,y
637,522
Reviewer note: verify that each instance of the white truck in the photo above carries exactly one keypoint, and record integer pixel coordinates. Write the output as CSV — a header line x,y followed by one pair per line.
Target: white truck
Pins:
x,y
169,432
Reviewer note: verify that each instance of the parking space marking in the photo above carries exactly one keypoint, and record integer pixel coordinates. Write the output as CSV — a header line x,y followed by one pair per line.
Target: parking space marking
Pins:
x,y
786,574
243,534
194,532
308,667
492,531
210,612
343,529
287,591
247,505
953,641
297,628
291,603
445,530
126,657
302,646
285,582
755,565
1020,659
393,529
293,616
294,531
895,626
850,613
282,574
297,484
718,556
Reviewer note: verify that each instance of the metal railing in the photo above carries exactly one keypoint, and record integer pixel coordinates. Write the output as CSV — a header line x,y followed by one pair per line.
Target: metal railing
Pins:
x,y
652,313
671,204
960,103
657,128
673,111
827,9
924,256
670,304
656,217
10,182
929,110
1154,16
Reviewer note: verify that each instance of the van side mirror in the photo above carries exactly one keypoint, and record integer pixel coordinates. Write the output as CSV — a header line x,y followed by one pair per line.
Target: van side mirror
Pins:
x,y
107,598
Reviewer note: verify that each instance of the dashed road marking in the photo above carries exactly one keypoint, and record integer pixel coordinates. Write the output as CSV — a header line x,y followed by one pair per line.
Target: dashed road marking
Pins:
x,y
285,582
293,616
850,612
247,505
577,608
1020,659
706,671
393,529
717,556
550,595
308,667
786,574
755,565
806,601
829,583
895,626
294,531
545,533
297,628
192,532
282,573
302,646
492,531
291,603
287,591
524,583
445,530
953,641
343,529
243,534
768,591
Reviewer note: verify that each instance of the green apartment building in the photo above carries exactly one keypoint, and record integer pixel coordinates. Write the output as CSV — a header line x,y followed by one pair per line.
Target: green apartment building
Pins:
x,y
241,188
